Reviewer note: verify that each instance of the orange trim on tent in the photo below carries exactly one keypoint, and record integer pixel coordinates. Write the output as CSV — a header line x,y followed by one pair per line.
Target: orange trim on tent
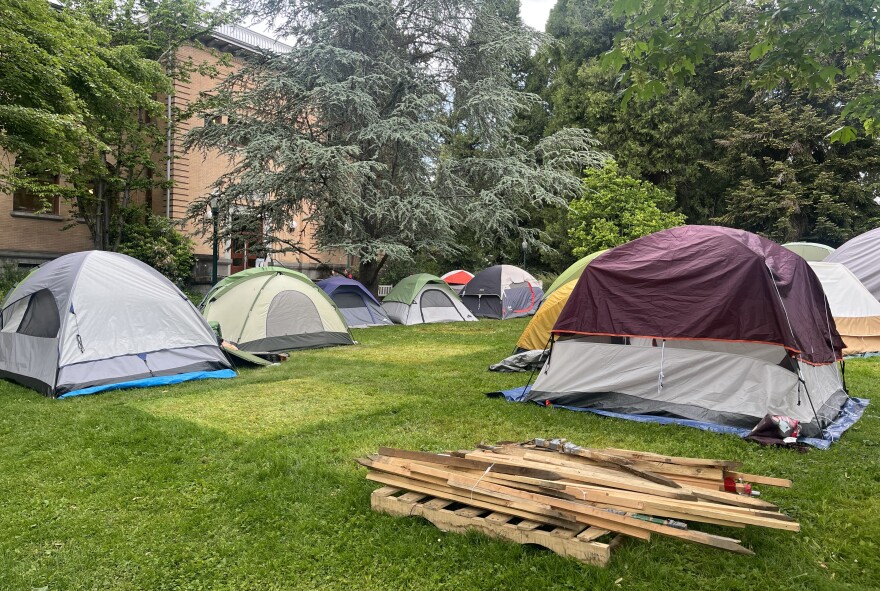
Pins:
x,y
636,336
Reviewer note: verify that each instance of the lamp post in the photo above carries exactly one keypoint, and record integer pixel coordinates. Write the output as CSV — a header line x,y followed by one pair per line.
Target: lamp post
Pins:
x,y
216,246
525,248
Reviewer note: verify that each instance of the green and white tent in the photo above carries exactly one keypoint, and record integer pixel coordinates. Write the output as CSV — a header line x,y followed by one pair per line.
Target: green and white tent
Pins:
x,y
274,309
810,251
424,298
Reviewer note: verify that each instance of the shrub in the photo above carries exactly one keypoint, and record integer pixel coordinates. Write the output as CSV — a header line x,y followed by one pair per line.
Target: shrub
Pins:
x,y
156,241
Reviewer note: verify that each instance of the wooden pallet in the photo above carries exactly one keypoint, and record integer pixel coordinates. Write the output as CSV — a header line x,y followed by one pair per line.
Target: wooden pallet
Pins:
x,y
580,544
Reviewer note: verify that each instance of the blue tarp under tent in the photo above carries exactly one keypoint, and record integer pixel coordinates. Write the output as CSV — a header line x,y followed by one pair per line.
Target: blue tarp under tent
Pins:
x,y
851,412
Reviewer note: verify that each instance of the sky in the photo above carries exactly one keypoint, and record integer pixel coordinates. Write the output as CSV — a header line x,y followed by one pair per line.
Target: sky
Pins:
x,y
534,12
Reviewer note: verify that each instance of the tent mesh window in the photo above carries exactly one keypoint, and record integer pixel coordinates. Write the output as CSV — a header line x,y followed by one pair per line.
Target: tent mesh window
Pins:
x,y
41,317
348,300
12,314
292,312
434,298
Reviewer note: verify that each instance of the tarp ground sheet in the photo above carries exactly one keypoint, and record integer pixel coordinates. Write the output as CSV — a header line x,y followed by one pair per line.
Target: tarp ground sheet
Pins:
x,y
851,412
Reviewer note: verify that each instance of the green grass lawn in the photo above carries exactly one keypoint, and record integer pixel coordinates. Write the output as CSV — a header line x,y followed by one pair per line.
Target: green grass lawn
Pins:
x,y
250,483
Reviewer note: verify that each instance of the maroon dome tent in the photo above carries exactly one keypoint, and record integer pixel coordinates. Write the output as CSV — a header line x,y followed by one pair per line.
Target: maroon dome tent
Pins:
x,y
698,322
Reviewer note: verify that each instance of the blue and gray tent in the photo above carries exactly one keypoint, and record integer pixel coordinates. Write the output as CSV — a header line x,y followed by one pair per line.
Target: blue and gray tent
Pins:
x,y
92,321
355,302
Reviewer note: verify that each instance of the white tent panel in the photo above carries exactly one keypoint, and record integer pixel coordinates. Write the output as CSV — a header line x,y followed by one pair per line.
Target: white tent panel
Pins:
x,y
846,295
142,315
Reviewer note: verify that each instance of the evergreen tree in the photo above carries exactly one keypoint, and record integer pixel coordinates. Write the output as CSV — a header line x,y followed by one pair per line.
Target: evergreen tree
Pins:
x,y
781,175
390,125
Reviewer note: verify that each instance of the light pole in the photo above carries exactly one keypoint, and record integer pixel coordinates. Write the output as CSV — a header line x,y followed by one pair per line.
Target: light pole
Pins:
x,y
525,248
216,246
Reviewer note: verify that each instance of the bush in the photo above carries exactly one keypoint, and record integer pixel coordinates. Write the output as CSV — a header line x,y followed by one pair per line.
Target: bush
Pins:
x,y
615,209
10,275
157,242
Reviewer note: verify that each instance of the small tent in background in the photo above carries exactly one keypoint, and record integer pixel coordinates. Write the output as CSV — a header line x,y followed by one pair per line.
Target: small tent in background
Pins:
x,y
856,312
502,292
703,323
537,333
273,309
457,279
358,306
810,251
92,321
424,298
861,255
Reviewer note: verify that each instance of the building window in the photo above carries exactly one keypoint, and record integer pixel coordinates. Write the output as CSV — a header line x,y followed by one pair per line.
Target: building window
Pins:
x,y
26,201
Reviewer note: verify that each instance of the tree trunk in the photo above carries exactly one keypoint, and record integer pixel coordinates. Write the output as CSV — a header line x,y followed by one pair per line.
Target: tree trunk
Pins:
x,y
368,273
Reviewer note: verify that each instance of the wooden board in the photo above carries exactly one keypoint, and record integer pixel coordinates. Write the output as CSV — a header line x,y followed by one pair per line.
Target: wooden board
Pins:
x,y
578,543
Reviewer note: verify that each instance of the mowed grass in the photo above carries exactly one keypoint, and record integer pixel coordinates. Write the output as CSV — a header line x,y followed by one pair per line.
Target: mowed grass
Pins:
x,y
250,483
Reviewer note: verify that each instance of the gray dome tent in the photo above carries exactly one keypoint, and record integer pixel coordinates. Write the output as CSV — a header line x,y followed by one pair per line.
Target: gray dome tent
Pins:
x,y
92,321
502,292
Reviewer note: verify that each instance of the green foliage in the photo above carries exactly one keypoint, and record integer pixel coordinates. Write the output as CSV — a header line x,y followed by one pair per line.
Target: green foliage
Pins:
x,y
10,276
249,483
779,173
157,29
390,126
76,106
808,44
79,98
156,241
616,208
714,139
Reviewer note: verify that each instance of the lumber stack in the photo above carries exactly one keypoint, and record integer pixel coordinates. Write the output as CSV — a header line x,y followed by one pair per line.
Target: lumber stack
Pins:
x,y
565,497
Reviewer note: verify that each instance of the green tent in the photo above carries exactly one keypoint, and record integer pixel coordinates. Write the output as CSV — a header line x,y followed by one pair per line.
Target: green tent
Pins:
x,y
811,251
423,298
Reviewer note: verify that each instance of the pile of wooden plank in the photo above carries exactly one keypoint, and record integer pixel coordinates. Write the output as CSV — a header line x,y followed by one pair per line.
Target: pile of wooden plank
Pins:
x,y
565,497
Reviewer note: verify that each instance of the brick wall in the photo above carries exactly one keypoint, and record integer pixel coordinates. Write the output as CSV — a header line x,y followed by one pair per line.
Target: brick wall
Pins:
x,y
35,239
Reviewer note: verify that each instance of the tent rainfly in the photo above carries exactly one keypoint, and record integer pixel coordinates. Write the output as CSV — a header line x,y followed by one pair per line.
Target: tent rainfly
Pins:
x,y
856,312
424,298
861,255
93,321
502,292
537,333
457,279
274,309
703,323
810,251
358,306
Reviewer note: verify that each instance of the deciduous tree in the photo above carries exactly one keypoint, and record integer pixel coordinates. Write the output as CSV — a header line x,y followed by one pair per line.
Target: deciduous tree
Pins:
x,y
615,208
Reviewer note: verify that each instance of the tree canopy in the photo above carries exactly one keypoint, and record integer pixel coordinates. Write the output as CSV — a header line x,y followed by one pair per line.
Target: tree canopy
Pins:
x,y
804,44
390,125
731,151
80,99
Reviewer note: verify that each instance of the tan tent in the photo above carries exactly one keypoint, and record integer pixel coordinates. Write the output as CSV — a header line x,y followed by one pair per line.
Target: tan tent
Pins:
x,y
537,333
856,312
274,309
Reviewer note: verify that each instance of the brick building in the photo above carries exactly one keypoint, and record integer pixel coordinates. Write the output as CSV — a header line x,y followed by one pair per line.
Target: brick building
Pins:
x,y
28,238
